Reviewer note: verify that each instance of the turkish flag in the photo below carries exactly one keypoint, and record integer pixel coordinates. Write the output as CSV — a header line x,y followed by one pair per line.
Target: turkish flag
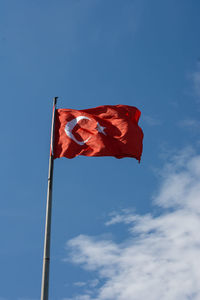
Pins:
x,y
109,130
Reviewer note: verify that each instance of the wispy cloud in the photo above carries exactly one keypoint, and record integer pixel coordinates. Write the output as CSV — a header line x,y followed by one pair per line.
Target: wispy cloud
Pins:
x,y
27,298
190,123
196,80
151,121
109,30
80,283
90,283
160,258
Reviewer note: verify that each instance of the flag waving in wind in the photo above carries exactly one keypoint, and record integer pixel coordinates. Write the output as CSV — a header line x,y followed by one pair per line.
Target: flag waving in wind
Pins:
x,y
109,130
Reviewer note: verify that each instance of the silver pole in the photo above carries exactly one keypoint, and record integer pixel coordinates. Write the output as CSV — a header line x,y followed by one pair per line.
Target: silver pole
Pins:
x,y
46,258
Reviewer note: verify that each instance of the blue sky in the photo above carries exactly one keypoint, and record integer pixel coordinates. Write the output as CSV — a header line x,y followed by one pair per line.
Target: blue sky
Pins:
x,y
112,219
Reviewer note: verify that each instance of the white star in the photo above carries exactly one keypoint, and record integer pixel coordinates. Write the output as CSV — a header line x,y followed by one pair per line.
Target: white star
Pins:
x,y
100,128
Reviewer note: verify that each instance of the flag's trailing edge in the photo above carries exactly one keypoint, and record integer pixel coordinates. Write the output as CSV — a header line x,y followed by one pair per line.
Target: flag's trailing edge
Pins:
x,y
109,130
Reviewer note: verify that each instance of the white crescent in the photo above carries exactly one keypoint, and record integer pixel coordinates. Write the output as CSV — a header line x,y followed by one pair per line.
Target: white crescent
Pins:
x,y
70,126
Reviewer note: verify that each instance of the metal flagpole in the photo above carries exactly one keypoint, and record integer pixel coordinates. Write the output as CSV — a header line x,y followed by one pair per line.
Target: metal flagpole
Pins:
x,y
46,258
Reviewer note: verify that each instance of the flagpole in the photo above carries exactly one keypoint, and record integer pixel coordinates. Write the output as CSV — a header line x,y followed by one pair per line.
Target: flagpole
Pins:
x,y
46,258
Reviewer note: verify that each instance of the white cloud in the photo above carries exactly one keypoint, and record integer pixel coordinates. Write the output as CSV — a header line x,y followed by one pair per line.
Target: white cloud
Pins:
x,y
160,260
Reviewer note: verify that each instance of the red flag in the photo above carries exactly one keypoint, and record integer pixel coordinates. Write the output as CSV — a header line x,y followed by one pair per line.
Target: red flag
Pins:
x,y
110,130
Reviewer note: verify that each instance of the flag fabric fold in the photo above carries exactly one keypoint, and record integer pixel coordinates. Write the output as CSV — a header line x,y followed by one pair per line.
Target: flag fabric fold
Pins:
x,y
109,130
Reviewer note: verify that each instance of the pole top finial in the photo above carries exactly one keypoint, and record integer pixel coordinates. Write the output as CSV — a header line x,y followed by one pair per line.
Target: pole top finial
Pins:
x,y
55,100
